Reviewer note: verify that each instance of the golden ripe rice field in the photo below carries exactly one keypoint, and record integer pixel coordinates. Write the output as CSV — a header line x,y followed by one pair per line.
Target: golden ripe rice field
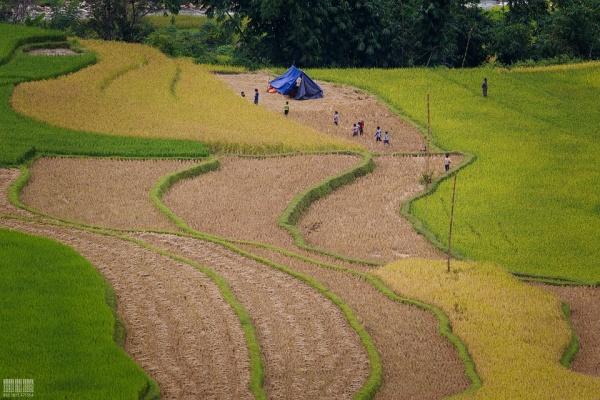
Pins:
x,y
135,90
515,333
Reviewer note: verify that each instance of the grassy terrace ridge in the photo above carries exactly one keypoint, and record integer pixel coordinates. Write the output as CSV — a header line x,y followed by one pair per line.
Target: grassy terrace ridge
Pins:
x,y
528,202
516,333
22,137
73,353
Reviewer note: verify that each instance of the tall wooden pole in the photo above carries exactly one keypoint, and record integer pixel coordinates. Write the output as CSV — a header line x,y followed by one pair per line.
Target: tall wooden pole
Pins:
x,y
427,139
451,222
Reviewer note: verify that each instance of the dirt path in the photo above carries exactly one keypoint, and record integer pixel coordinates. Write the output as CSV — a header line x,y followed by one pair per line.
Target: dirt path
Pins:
x,y
99,191
418,363
362,219
244,198
352,104
585,316
310,351
179,329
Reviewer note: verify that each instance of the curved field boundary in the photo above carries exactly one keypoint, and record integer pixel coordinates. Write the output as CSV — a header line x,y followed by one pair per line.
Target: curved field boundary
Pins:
x,y
374,380
572,348
418,225
253,346
367,391
291,215
166,182
38,37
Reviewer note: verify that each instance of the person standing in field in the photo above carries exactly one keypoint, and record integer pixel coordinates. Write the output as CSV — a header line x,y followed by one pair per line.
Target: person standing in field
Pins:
x,y
484,87
354,130
286,108
256,96
336,118
243,94
378,134
447,162
361,127
386,138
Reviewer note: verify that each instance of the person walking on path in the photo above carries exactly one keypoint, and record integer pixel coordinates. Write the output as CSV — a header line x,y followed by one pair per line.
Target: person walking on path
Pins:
x,y
336,118
386,138
447,162
378,134
484,87
286,108
354,130
256,96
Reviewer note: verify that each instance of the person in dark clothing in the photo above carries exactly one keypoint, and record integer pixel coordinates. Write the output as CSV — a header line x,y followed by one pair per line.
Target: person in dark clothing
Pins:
x,y
361,127
484,87
286,108
447,162
255,96
243,94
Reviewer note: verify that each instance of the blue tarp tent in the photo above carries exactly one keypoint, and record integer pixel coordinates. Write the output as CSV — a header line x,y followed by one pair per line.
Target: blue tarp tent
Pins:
x,y
286,85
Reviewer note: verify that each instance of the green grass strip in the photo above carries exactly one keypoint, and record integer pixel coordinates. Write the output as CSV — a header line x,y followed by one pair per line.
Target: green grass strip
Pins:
x,y
418,225
572,348
288,220
374,380
444,326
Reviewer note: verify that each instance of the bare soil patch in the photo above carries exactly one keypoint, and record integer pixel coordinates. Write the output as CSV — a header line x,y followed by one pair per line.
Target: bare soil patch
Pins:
x,y
244,198
7,177
96,191
362,219
585,316
352,104
310,352
52,52
418,363
179,329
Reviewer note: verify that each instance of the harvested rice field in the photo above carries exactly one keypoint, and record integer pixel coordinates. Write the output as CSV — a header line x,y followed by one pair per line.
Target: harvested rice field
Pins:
x,y
179,328
363,219
418,363
308,348
99,191
352,104
244,198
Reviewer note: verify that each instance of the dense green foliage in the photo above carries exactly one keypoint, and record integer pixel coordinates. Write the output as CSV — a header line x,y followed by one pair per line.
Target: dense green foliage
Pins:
x,y
57,327
411,32
530,201
21,135
207,43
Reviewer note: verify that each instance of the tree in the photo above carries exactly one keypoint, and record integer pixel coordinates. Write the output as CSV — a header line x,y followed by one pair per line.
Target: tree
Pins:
x,y
122,19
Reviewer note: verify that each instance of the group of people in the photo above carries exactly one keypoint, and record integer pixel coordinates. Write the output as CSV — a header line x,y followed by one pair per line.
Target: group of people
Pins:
x,y
358,129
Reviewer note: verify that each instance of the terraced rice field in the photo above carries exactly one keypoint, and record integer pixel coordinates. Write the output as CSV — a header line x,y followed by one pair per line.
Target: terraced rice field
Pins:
x,y
137,91
515,332
247,195
362,220
102,192
248,314
352,104
179,329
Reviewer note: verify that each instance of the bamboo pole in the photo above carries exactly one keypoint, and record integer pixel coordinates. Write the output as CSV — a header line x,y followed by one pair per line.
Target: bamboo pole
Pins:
x,y
451,222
